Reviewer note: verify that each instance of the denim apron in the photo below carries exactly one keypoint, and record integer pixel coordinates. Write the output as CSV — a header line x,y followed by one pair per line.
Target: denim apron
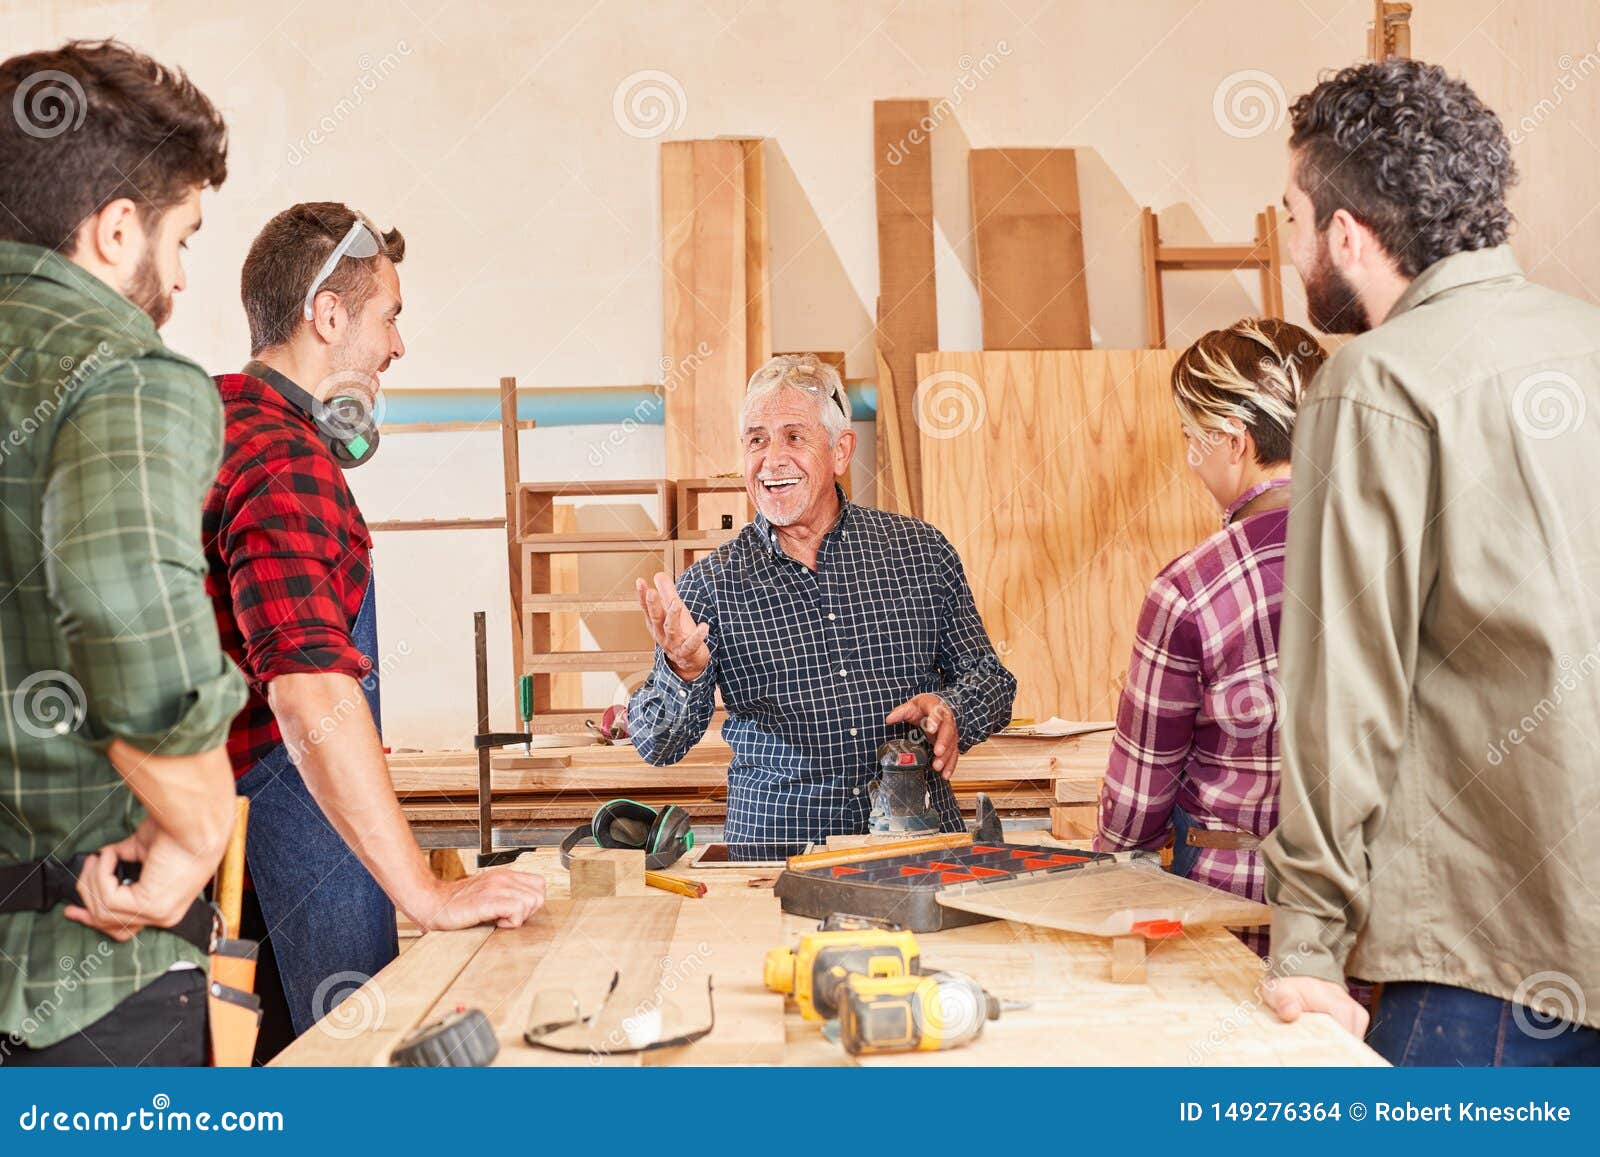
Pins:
x,y
331,925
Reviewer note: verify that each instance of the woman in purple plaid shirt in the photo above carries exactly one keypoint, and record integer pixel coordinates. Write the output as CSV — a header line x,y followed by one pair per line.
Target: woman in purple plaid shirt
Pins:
x,y
1196,750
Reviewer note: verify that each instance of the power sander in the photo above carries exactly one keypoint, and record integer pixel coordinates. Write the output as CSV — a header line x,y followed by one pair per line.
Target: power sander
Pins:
x,y
902,801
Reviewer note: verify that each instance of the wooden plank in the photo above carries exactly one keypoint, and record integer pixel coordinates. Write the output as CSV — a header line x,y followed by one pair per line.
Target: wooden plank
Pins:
x,y
1155,314
1065,492
1075,821
568,808
908,314
705,338
419,780
592,542
577,604
571,945
590,661
388,1006
757,259
1079,791
438,524
484,426
511,464
727,938
1028,231
1272,272
1213,257
998,760
894,486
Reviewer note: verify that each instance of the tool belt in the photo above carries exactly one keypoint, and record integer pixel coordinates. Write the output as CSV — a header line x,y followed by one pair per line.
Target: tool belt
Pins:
x,y
1228,841
40,885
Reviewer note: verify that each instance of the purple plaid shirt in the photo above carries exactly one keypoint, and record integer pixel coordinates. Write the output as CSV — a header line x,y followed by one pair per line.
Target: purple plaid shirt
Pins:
x,y
1197,727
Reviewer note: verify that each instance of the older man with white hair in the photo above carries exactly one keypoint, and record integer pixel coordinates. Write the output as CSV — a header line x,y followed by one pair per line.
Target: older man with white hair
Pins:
x,y
824,624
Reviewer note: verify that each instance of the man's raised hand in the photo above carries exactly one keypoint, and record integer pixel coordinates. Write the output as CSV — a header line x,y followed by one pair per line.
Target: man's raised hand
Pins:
x,y
673,628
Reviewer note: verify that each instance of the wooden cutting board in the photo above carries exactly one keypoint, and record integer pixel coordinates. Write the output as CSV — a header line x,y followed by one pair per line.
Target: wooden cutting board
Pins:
x,y
1107,900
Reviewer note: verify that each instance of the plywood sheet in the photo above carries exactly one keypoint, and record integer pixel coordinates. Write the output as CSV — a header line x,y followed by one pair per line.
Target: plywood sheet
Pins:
x,y
1029,238
1060,479
1107,900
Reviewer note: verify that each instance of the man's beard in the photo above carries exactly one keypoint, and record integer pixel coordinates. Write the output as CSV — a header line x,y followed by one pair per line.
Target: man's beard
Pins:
x,y
144,289
779,520
1331,301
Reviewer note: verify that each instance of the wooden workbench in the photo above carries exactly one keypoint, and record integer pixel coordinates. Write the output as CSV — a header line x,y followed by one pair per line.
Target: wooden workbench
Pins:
x,y
1198,1007
1048,778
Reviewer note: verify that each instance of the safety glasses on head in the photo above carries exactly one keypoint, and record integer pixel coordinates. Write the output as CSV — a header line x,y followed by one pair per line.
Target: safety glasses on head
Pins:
x,y
815,383
359,241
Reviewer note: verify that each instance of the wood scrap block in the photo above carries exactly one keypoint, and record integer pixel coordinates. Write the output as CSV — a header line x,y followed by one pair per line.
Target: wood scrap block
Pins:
x,y
1029,239
1128,959
446,865
607,872
1075,821
908,313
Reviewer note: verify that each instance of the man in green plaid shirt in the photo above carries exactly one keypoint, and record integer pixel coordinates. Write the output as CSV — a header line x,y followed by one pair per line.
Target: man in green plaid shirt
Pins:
x,y
115,697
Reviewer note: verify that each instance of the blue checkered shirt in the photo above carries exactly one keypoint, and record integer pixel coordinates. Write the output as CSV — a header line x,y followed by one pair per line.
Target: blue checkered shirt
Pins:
x,y
810,662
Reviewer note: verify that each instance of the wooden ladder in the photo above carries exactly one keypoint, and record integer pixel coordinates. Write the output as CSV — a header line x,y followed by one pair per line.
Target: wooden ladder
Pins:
x,y
1260,254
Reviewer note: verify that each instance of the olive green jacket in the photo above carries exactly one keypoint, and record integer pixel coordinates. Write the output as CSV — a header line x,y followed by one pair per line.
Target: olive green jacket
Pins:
x,y
1440,649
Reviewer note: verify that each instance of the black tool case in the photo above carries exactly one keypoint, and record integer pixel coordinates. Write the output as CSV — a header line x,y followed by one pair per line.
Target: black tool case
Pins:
x,y
904,889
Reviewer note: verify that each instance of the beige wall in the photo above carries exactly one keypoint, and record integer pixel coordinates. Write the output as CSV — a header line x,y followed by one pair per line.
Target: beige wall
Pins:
x,y
488,133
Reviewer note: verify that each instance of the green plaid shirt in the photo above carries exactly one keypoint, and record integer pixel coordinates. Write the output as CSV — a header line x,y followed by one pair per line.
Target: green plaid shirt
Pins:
x,y
108,443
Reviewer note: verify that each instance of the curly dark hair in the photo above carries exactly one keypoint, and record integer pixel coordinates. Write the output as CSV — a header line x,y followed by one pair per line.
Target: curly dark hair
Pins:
x,y
94,121
1411,153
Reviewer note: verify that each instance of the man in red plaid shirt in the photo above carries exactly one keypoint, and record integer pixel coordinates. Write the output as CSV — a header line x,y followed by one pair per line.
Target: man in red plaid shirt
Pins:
x,y
290,573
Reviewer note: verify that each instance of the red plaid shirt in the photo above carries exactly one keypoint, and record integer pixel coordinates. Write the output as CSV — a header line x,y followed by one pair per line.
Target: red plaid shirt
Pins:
x,y
288,553
1197,726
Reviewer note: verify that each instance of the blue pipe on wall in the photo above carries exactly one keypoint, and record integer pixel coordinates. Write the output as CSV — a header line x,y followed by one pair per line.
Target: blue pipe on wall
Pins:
x,y
586,406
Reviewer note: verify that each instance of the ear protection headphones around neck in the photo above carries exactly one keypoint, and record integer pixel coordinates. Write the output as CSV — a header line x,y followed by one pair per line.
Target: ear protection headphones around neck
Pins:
x,y
344,421
664,836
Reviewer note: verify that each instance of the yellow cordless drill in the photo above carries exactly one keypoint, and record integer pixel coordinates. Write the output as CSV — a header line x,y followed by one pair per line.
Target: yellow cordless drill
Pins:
x,y
894,1014
814,972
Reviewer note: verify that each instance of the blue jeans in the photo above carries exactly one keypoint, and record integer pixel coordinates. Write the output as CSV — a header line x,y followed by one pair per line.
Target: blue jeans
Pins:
x,y
1184,857
331,925
1419,1023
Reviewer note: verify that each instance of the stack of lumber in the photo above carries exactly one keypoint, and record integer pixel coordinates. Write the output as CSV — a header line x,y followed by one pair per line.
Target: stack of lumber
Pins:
x,y
562,786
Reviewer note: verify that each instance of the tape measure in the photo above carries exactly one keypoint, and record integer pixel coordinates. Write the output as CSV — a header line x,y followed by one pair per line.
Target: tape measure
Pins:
x,y
464,1039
